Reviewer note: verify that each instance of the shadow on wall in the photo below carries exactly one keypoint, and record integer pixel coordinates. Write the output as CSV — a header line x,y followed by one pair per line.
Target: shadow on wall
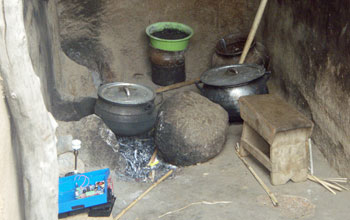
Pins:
x,y
80,25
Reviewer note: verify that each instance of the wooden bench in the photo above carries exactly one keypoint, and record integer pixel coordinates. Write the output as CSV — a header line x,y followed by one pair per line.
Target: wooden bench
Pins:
x,y
276,135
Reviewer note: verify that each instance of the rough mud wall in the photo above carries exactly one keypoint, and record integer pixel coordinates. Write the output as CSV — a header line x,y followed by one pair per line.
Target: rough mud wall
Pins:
x,y
41,25
109,36
308,43
68,88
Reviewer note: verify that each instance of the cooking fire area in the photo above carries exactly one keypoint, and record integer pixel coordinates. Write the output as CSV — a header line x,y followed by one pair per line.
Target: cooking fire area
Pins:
x,y
156,109
149,126
152,126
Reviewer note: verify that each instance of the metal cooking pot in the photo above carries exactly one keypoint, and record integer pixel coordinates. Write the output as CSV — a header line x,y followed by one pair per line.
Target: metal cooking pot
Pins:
x,y
225,85
127,109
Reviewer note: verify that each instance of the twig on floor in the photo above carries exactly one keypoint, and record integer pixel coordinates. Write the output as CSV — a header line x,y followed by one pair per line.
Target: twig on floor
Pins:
x,y
337,179
311,160
330,183
317,180
143,195
262,184
333,186
337,184
195,203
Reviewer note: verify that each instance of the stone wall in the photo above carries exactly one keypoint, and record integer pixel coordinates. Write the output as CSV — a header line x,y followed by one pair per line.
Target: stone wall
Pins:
x,y
308,43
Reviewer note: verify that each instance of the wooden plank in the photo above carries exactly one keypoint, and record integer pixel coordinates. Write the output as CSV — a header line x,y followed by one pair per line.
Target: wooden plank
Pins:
x,y
269,114
260,156
254,139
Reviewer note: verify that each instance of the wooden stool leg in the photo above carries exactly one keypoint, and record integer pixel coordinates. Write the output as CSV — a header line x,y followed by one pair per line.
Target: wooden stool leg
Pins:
x,y
252,138
245,134
289,157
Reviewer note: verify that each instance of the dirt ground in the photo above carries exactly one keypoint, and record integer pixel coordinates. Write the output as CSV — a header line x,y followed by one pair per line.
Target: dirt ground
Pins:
x,y
227,181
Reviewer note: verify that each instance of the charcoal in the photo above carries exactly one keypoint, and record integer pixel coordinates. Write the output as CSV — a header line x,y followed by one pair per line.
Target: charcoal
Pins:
x,y
137,151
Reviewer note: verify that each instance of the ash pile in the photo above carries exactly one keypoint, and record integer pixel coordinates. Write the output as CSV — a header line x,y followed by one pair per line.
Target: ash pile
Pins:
x,y
142,163
127,157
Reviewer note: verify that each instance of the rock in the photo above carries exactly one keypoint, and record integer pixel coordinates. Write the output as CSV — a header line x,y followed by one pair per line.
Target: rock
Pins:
x,y
99,147
190,129
64,144
66,164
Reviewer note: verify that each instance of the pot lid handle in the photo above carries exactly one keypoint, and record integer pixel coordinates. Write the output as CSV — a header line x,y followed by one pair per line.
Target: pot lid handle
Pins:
x,y
127,91
233,70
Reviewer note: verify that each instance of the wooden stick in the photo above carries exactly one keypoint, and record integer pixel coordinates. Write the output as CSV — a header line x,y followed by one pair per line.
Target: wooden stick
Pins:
x,y
195,203
311,160
267,190
177,85
339,180
153,157
331,185
337,184
317,180
253,29
143,194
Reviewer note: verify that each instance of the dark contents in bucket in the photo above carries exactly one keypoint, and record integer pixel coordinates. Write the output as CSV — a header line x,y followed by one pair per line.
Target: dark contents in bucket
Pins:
x,y
137,151
237,46
230,47
170,34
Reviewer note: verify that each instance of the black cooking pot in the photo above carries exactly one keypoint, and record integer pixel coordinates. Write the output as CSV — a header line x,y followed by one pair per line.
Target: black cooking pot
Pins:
x,y
225,85
127,109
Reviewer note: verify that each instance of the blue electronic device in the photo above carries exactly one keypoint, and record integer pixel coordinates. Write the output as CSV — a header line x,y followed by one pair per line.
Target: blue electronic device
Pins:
x,y
67,198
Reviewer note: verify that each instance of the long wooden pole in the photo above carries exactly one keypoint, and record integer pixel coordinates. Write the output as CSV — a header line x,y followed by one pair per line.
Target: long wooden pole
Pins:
x,y
143,195
177,85
253,29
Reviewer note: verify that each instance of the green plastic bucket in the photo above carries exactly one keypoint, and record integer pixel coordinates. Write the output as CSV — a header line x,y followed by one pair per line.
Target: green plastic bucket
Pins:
x,y
165,44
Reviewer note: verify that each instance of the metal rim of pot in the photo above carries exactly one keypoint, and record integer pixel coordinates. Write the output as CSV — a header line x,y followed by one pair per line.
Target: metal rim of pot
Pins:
x,y
232,75
230,86
126,94
226,41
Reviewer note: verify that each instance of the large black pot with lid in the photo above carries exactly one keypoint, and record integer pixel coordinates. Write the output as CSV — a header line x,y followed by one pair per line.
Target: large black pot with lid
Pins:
x,y
225,85
127,109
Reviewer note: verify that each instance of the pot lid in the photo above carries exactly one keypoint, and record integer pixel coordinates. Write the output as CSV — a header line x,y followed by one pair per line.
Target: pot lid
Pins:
x,y
126,93
232,75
